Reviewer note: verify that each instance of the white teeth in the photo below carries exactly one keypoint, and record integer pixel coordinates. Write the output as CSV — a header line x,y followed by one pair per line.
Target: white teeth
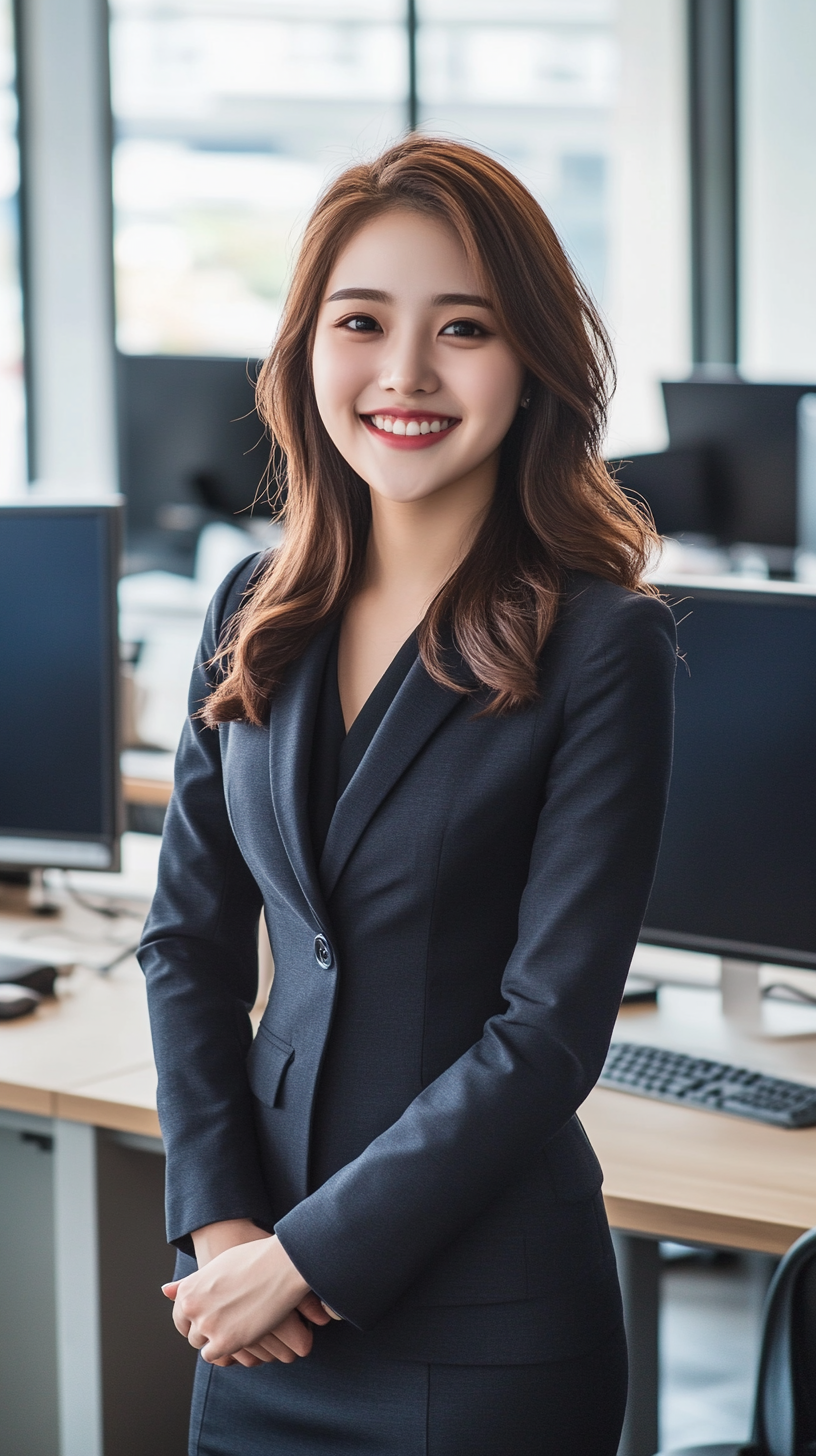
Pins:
x,y
393,426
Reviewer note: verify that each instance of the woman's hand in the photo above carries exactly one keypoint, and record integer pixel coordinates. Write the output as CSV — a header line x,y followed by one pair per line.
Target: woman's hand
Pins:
x,y
244,1303
209,1242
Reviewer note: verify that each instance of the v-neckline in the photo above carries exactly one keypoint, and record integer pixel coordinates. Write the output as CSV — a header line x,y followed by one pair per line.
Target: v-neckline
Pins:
x,y
406,653
336,755
385,677
363,727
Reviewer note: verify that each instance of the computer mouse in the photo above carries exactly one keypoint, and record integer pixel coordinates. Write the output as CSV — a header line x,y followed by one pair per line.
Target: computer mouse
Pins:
x,y
36,974
17,1000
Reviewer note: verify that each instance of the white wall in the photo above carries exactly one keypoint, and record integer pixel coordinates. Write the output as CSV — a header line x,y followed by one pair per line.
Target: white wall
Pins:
x,y
649,297
778,189
67,180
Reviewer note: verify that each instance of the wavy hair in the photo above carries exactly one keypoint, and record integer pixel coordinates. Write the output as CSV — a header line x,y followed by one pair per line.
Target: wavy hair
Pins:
x,y
556,508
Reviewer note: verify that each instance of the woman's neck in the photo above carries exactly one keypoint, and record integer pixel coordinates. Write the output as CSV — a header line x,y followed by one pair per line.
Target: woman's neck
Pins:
x,y
415,546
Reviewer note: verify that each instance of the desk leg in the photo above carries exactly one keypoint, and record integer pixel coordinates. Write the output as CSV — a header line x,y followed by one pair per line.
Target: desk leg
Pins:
x,y
76,1245
639,1274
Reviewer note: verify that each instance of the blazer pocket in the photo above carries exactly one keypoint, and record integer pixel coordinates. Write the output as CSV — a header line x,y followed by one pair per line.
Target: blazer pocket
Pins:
x,y
267,1061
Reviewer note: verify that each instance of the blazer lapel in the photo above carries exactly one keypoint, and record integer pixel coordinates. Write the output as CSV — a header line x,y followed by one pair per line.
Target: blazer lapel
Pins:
x,y
418,709
291,730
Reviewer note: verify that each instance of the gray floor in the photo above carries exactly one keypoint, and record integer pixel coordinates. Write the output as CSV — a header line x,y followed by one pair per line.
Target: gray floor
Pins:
x,y
709,1341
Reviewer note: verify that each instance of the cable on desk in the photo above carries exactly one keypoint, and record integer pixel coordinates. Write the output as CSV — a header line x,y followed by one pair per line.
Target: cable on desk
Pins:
x,y
114,910
791,993
117,960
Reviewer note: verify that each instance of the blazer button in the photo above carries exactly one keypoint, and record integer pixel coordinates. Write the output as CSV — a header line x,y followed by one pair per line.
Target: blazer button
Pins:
x,y
323,952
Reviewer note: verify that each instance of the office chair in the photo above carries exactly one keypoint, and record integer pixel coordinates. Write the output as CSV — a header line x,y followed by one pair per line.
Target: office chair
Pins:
x,y
785,1399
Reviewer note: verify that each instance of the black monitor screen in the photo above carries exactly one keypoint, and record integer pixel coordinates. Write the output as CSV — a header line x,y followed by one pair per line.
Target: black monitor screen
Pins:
x,y
192,449
749,435
58,773
737,867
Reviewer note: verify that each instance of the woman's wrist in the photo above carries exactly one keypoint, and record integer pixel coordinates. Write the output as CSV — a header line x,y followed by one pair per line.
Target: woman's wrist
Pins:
x,y
214,1238
288,1279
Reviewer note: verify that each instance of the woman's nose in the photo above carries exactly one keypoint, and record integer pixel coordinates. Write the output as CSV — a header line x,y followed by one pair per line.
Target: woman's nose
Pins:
x,y
407,368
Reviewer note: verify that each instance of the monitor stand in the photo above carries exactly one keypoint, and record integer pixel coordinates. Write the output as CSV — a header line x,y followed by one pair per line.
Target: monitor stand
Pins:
x,y
744,1006
24,892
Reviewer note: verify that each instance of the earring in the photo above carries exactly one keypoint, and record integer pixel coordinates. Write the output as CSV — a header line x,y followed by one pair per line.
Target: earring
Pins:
x,y
525,401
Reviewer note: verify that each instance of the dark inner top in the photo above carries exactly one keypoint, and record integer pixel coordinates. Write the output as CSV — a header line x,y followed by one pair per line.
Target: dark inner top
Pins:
x,y
336,754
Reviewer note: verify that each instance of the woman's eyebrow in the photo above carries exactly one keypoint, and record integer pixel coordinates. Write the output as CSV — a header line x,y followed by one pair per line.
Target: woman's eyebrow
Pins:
x,y
442,300
472,300
371,295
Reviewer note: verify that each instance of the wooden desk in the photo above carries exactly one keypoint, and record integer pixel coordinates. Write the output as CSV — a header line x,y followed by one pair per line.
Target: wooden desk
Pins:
x,y
84,1056
146,791
81,1071
90,1364
697,1177
702,1177
670,1172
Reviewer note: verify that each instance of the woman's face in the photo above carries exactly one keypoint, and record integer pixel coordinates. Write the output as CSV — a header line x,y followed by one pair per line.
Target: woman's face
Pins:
x,y
414,383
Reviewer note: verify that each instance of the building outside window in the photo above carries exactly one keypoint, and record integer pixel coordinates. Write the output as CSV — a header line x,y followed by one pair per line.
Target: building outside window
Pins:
x,y
585,100
231,114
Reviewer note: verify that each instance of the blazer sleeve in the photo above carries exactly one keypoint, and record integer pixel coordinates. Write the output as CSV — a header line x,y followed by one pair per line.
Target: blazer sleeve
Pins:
x,y
364,1236
199,953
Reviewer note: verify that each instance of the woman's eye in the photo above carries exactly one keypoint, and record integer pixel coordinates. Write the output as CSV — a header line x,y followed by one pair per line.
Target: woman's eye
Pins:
x,y
361,323
464,329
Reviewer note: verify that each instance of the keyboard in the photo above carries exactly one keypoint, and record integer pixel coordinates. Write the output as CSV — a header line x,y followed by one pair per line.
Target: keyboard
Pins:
x,y
693,1082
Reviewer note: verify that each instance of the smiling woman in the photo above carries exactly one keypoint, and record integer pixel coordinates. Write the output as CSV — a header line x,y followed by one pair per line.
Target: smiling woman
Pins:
x,y
449,223
443,714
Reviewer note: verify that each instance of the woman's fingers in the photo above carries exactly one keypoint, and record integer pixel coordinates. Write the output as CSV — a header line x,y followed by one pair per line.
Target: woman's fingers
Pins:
x,y
312,1310
293,1334
272,1350
245,1358
262,1354
181,1321
278,1348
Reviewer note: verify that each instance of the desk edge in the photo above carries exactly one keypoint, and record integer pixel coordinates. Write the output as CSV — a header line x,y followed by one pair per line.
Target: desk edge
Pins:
x,y
695,1226
98,1112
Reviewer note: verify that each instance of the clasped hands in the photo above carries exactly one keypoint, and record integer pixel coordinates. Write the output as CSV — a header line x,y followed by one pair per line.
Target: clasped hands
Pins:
x,y
247,1303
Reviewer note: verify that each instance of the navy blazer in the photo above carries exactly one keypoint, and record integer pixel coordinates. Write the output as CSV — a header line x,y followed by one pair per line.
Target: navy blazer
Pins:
x,y
446,983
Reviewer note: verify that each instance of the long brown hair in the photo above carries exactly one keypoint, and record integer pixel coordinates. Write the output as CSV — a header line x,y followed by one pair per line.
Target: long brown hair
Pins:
x,y
555,509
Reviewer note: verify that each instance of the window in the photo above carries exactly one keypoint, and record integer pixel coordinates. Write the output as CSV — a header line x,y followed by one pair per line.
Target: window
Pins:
x,y
12,390
585,100
229,117
231,114
777,196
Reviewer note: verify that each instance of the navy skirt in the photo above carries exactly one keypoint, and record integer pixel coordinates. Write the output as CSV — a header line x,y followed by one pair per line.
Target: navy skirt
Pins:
x,y
346,1400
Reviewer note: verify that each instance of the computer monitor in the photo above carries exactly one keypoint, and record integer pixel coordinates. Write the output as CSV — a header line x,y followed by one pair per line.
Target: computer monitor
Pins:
x,y
749,434
192,449
59,751
736,874
677,488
